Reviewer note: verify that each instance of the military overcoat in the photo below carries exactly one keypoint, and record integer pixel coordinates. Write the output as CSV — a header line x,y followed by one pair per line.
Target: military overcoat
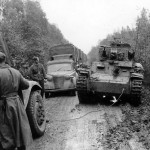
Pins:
x,y
14,125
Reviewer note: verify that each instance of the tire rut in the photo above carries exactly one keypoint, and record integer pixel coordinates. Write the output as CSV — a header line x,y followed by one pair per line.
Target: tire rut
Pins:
x,y
73,126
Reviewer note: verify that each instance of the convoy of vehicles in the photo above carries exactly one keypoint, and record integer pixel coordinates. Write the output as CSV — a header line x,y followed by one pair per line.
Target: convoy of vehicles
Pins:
x,y
115,75
33,100
62,51
61,69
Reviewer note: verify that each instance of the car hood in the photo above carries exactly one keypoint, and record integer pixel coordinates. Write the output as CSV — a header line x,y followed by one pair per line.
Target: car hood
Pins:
x,y
62,73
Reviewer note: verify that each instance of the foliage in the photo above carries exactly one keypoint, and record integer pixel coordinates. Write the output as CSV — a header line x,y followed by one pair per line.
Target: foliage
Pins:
x,y
27,31
93,55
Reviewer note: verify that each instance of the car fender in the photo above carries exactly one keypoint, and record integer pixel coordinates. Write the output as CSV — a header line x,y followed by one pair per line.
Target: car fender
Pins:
x,y
74,81
33,85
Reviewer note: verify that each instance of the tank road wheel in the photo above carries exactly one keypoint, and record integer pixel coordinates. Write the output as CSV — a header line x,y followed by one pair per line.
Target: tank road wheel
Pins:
x,y
136,89
36,114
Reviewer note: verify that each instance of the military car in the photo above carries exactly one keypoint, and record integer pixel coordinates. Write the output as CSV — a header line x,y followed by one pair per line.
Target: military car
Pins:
x,y
34,104
115,75
64,60
61,76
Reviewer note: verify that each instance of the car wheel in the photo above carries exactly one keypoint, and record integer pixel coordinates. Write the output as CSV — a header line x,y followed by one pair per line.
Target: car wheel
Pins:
x,y
36,114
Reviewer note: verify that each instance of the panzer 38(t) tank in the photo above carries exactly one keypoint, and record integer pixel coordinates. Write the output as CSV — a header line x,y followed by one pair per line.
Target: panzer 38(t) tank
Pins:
x,y
115,75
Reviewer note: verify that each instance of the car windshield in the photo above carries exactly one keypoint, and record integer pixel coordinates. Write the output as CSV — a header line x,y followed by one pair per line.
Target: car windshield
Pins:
x,y
59,67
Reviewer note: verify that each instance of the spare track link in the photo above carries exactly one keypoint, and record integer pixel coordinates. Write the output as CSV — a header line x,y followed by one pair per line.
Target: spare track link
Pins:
x,y
136,87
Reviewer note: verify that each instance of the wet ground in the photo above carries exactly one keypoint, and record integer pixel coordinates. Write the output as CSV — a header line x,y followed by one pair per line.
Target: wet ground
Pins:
x,y
74,126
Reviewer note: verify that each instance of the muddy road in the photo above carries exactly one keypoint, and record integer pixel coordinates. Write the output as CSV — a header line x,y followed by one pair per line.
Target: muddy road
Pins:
x,y
74,126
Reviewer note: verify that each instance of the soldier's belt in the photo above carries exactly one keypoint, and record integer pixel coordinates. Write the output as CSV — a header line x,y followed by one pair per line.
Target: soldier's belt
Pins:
x,y
13,94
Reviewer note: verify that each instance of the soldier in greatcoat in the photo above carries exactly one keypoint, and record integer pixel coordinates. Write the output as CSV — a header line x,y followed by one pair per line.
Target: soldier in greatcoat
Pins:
x,y
15,132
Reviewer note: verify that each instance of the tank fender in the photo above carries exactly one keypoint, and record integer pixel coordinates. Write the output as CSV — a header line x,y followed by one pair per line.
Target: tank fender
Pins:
x,y
26,93
137,75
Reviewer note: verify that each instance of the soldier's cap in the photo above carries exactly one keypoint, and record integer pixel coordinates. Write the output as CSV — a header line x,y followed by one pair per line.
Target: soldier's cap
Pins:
x,y
35,58
2,56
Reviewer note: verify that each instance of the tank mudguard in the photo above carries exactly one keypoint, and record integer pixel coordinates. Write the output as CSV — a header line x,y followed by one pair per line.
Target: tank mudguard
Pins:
x,y
26,93
137,76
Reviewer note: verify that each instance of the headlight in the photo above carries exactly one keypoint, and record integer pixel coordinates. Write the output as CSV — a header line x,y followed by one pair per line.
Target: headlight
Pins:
x,y
49,78
69,77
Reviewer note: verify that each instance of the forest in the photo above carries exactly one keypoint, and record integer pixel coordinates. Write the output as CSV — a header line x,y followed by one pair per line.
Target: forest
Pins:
x,y
138,38
27,32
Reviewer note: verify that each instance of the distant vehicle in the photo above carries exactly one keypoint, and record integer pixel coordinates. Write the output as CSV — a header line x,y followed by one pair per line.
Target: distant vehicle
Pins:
x,y
61,76
62,67
115,75
62,51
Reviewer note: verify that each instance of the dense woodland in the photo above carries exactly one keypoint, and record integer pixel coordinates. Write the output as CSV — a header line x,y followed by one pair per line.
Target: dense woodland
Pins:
x,y
138,37
27,31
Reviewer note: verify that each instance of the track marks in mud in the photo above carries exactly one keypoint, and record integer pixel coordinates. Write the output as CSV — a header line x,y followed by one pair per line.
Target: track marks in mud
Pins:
x,y
65,132
92,127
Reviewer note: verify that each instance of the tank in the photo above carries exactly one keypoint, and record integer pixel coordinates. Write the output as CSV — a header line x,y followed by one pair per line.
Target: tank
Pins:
x,y
115,76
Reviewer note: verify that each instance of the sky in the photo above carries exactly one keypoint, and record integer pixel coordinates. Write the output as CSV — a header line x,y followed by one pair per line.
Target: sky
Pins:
x,y
85,22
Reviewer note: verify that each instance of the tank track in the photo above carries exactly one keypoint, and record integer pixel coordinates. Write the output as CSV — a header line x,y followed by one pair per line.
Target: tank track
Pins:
x,y
82,87
136,87
84,94
82,83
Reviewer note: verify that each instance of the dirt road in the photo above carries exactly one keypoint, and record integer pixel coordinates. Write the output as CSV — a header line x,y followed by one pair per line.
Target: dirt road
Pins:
x,y
73,126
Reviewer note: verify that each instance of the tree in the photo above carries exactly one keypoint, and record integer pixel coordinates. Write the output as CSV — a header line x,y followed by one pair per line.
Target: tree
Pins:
x,y
27,30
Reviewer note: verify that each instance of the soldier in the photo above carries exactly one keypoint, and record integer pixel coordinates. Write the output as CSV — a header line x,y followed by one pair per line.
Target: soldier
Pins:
x,y
131,54
113,55
104,54
15,131
120,56
37,72
24,70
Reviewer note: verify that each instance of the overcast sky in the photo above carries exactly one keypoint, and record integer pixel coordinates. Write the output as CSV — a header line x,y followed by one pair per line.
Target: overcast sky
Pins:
x,y
85,22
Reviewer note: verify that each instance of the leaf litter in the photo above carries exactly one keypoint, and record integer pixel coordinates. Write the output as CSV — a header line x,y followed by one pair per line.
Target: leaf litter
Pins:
x,y
135,125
